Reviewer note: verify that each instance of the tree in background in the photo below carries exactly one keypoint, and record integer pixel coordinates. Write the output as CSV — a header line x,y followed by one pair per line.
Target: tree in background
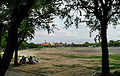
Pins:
x,y
97,14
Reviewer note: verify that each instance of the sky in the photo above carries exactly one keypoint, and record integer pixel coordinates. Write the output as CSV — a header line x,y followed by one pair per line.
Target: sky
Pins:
x,y
76,35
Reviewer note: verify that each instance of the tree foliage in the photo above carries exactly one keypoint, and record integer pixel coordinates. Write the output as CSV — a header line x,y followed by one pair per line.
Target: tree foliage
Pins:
x,y
89,11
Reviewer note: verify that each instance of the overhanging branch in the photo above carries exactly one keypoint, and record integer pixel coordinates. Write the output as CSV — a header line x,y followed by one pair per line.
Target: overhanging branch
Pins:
x,y
117,12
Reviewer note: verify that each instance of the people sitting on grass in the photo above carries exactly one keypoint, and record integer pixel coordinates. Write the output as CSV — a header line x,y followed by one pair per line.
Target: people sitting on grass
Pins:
x,y
31,61
23,60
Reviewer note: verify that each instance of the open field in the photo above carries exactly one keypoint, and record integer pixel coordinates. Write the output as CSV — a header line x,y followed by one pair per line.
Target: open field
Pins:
x,y
67,61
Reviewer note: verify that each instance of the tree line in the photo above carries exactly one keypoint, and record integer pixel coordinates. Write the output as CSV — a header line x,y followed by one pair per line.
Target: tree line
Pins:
x,y
26,45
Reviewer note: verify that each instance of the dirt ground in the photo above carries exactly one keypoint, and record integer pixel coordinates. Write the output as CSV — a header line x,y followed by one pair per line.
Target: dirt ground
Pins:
x,y
59,62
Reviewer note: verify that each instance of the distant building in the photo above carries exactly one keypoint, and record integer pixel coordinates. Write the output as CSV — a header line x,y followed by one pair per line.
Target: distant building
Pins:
x,y
57,44
53,44
45,43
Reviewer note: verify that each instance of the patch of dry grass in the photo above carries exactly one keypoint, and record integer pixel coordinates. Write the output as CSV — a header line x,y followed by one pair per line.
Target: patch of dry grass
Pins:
x,y
62,62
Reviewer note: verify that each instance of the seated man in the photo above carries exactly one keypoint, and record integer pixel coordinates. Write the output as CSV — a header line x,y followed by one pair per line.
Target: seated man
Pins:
x,y
31,61
21,60
24,60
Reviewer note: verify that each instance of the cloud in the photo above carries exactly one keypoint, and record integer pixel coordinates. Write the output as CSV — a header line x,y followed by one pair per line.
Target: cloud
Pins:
x,y
68,36
72,34
114,33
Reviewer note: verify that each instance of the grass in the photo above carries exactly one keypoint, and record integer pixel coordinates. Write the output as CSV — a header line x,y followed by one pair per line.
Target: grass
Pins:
x,y
46,58
44,68
115,57
70,66
72,56
95,68
89,57
116,73
34,49
75,65
19,56
61,65
113,66
27,56
98,68
114,61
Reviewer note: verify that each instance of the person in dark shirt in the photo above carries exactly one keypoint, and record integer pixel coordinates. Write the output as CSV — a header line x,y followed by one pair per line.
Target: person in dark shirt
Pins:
x,y
24,60
21,60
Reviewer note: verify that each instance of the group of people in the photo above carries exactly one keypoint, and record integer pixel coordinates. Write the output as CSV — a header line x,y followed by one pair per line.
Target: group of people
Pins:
x,y
30,60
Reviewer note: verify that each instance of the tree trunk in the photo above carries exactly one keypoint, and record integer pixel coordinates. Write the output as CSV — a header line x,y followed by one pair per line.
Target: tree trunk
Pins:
x,y
0,38
16,53
16,57
8,53
0,34
19,42
105,54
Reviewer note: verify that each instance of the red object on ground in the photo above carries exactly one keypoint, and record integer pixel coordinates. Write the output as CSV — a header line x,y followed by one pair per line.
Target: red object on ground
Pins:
x,y
33,62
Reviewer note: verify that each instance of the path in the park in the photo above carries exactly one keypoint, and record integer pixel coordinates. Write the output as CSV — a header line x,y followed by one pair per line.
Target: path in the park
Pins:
x,y
11,73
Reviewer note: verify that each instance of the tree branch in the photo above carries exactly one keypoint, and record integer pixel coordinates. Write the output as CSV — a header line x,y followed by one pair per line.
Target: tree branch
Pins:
x,y
101,1
96,10
113,14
